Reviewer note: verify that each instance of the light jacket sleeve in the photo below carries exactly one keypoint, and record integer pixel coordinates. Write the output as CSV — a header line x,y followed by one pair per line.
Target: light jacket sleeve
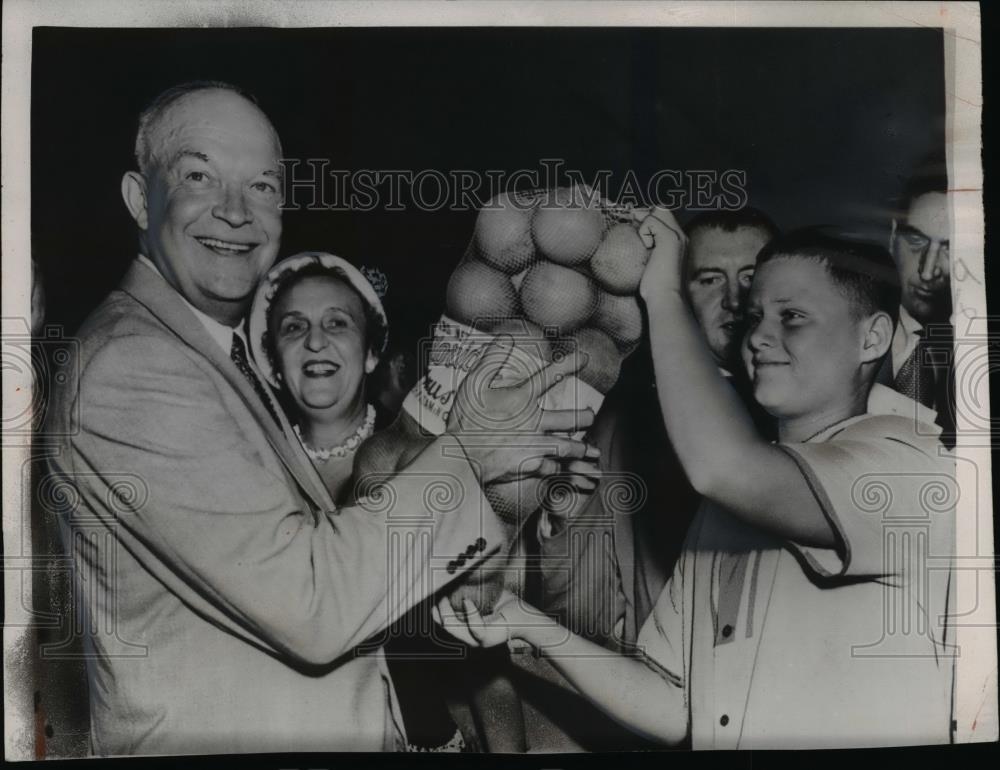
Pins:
x,y
224,528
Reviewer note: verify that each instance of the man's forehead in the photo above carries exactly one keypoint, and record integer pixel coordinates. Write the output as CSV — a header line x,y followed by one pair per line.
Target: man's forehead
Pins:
x,y
715,247
929,214
215,127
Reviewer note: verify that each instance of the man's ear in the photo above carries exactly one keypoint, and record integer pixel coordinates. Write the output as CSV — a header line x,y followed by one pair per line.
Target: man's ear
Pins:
x,y
878,337
892,236
134,195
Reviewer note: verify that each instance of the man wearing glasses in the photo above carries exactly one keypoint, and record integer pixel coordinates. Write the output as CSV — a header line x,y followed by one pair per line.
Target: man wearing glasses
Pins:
x,y
922,345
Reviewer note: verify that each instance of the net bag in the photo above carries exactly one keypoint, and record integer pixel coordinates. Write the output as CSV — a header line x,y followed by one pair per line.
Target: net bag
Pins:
x,y
558,271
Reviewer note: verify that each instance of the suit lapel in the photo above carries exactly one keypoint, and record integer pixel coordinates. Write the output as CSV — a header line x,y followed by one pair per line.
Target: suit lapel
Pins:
x,y
162,300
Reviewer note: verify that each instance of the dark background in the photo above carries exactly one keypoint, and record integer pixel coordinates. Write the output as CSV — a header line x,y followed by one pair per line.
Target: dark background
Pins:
x,y
826,123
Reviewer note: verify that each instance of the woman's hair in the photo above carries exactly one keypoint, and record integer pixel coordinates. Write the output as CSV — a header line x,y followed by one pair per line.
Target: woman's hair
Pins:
x,y
375,329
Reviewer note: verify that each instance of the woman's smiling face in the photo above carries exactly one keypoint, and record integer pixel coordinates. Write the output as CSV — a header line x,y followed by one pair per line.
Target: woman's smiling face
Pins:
x,y
321,339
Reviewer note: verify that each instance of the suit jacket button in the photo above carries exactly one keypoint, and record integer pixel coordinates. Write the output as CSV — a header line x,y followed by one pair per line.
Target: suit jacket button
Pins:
x,y
462,558
471,550
480,544
452,567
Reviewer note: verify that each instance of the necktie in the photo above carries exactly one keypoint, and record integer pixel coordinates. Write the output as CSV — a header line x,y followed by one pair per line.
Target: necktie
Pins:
x,y
940,342
915,378
238,353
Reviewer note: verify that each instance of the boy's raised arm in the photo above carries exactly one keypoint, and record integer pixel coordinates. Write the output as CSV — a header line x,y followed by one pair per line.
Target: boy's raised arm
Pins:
x,y
723,456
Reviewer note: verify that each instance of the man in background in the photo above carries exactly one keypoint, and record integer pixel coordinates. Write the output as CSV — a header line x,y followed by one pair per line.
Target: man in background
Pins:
x,y
921,362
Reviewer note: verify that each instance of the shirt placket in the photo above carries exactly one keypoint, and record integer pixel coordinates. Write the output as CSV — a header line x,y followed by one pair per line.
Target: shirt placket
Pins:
x,y
733,636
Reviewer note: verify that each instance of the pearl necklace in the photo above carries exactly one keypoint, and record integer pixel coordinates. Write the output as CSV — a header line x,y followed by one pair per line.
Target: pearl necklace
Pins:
x,y
348,447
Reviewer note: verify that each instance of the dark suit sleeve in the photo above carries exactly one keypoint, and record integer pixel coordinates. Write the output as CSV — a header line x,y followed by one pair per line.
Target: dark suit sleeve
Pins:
x,y
214,517
580,579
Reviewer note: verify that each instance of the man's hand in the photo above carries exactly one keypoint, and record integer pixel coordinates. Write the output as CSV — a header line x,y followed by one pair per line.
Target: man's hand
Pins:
x,y
568,493
502,425
665,269
507,623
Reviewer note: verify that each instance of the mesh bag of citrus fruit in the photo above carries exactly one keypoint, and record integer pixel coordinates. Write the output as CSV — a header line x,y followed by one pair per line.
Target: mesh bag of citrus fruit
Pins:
x,y
558,271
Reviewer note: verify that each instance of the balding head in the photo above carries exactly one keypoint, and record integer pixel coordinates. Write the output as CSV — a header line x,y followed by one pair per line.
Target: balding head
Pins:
x,y
207,200
175,96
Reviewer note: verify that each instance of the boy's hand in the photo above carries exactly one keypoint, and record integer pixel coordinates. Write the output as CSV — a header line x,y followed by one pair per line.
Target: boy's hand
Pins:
x,y
664,271
473,629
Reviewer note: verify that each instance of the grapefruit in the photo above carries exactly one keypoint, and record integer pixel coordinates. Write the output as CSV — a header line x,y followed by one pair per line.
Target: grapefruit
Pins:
x,y
503,234
555,296
476,290
566,227
620,260
620,318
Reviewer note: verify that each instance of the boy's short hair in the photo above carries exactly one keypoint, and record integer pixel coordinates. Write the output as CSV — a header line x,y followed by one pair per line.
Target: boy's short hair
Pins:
x,y
865,272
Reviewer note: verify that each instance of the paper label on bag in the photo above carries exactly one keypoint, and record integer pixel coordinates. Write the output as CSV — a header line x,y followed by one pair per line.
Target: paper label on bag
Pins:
x,y
455,349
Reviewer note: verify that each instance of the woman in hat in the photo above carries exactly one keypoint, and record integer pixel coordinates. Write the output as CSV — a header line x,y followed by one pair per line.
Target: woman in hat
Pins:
x,y
317,329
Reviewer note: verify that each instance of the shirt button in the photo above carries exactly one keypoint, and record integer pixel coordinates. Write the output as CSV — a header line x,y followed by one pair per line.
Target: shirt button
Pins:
x,y
727,630
724,720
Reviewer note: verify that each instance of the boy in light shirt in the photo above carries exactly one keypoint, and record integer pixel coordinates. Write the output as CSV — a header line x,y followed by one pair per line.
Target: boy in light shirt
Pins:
x,y
807,608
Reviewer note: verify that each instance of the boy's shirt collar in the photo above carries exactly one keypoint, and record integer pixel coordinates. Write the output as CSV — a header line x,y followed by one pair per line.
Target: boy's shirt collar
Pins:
x,y
910,324
883,400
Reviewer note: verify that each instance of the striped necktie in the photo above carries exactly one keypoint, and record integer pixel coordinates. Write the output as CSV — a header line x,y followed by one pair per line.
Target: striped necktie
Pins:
x,y
915,378
238,353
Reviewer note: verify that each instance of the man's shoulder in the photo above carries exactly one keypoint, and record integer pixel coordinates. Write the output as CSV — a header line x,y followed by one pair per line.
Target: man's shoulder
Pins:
x,y
118,315
123,334
117,340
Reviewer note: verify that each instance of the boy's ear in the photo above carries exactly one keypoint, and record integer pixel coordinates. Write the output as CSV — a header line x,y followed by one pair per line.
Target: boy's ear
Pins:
x,y
134,195
878,337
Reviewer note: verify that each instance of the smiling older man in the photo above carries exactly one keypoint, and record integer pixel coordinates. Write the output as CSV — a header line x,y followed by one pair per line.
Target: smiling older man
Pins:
x,y
223,595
